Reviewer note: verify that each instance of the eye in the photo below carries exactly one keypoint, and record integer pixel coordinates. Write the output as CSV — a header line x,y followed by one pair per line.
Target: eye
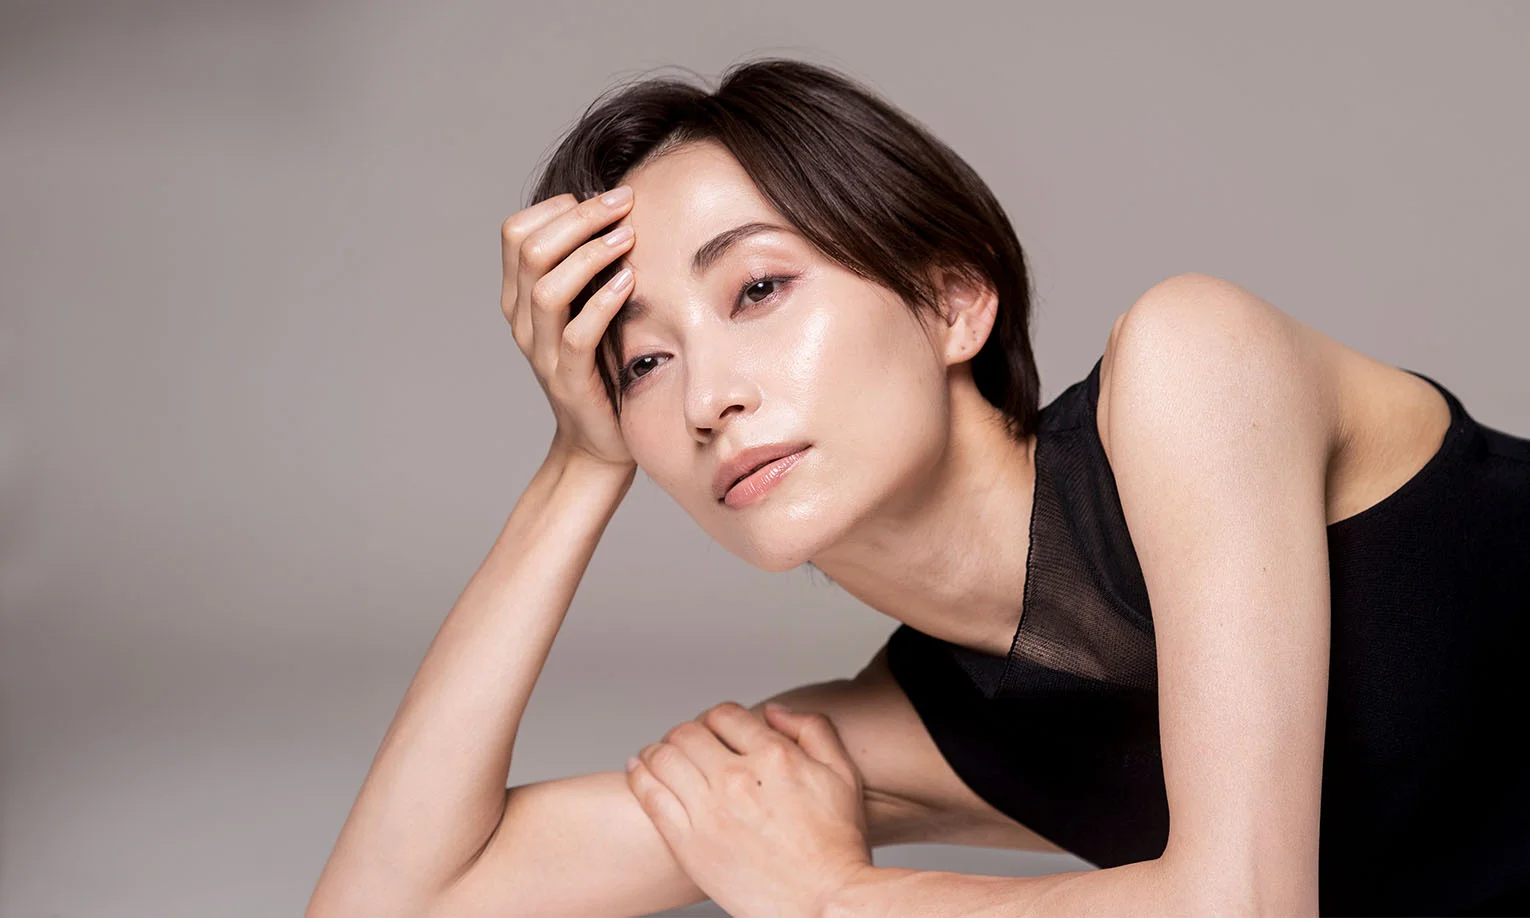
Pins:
x,y
627,377
755,281
752,287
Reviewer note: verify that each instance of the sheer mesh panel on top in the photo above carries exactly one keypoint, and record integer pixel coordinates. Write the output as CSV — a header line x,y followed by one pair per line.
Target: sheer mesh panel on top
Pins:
x,y
1085,610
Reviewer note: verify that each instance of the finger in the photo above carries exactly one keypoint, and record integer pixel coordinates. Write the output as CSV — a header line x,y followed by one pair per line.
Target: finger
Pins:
x,y
552,295
664,809
816,735
550,243
676,771
702,747
739,727
523,223
512,233
584,331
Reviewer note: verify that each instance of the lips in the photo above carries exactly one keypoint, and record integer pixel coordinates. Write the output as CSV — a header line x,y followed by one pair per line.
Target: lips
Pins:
x,y
746,461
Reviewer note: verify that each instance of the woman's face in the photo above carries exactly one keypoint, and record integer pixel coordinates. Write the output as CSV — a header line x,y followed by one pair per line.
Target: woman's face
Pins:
x,y
720,361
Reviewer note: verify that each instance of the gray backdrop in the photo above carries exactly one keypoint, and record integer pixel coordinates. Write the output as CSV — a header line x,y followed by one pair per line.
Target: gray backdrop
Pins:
x,y
262,416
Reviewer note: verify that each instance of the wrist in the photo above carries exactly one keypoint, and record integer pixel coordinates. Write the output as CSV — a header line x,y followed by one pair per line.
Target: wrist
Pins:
x,y
857,897
578,462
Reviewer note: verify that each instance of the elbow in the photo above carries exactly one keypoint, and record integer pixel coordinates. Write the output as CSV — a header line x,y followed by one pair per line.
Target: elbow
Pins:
x,y
356,902
330,902
318,908
1215,889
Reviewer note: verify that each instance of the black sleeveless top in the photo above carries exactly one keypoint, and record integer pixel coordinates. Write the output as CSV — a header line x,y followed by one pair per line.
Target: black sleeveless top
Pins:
x,y
1425,795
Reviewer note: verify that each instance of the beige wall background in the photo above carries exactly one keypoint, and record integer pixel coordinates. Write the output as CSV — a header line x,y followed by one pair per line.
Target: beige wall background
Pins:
x,y
261,418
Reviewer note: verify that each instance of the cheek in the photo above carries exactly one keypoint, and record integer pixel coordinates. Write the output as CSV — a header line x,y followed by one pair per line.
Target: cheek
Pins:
x,y
869,361
893,396
645,442
812,362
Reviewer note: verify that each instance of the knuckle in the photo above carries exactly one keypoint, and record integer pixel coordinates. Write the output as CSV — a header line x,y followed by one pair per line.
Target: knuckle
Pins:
x,y
596,257
542,297
688,729
736,780
535,252
591,208
570,344
775,754
717,716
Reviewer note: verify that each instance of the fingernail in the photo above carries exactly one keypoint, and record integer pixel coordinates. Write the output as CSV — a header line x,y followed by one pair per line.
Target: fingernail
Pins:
x,y
778,706
619,235
632,762
616,195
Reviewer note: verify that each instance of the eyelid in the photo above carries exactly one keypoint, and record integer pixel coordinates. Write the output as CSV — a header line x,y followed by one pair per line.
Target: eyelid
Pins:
x,y
782,283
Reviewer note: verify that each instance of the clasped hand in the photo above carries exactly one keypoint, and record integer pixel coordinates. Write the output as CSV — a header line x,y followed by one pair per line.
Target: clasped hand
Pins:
x,y
765,816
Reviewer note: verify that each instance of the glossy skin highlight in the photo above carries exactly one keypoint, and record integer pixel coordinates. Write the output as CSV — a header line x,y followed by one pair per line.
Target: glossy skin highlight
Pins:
x,y
814,353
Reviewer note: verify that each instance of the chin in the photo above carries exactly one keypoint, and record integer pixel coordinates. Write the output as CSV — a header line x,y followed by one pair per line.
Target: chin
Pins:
x,y
780,563
792,535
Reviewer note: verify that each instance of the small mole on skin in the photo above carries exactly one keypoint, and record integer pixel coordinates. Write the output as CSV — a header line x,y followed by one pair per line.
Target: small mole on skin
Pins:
x,y
758,782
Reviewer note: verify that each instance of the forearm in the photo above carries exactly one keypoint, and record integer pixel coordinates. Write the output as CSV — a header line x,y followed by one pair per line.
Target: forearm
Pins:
x,y
436,787
894,892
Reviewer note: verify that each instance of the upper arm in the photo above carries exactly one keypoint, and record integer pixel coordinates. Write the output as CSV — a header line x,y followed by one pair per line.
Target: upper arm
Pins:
x,y
1220,428
582,845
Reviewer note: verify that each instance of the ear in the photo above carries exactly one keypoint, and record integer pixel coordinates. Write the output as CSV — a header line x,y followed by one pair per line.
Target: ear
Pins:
x,y
969,309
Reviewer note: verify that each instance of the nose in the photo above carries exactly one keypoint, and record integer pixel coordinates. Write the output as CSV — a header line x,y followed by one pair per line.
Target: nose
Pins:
x,y
716,393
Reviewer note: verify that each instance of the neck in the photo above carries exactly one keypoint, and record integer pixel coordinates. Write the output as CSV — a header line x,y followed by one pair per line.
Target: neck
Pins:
x,y
949,556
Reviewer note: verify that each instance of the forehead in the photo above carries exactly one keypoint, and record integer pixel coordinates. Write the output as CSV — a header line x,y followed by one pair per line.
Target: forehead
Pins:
x,y
690,207
685,197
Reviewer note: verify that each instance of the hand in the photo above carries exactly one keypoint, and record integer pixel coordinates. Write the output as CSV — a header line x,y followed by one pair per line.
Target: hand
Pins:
x,y
544,272
765,817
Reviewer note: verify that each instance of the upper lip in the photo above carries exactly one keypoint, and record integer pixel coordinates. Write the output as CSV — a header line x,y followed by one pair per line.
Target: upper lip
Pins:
x,y
747,460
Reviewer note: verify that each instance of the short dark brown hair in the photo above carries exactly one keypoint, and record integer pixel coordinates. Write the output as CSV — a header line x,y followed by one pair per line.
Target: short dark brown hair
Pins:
x,y
870,187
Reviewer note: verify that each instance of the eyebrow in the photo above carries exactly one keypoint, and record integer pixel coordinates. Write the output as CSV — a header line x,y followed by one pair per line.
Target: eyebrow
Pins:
x,y
708,255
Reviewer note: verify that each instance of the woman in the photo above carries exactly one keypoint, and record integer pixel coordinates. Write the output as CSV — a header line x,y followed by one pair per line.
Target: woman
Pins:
x,y
1240,573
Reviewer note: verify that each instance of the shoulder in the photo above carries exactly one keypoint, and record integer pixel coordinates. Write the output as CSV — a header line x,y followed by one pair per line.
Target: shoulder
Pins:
x,y
1194,345
1220,415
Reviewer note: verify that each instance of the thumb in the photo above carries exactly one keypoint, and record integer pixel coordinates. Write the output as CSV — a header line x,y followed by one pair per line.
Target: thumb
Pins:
x,y
816,735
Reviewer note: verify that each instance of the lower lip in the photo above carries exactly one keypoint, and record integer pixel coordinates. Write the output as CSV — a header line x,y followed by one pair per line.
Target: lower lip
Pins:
x,y
761,481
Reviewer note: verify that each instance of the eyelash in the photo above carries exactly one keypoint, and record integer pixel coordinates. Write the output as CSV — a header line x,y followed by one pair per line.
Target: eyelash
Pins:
x,y
625,379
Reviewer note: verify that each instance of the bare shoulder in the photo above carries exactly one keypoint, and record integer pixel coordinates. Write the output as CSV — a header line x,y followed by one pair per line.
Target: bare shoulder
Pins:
x,y
1380,423
1195,335
912,793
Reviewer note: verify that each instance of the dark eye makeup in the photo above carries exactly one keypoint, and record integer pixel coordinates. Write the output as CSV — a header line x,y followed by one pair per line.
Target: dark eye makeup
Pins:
x,y
626,378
